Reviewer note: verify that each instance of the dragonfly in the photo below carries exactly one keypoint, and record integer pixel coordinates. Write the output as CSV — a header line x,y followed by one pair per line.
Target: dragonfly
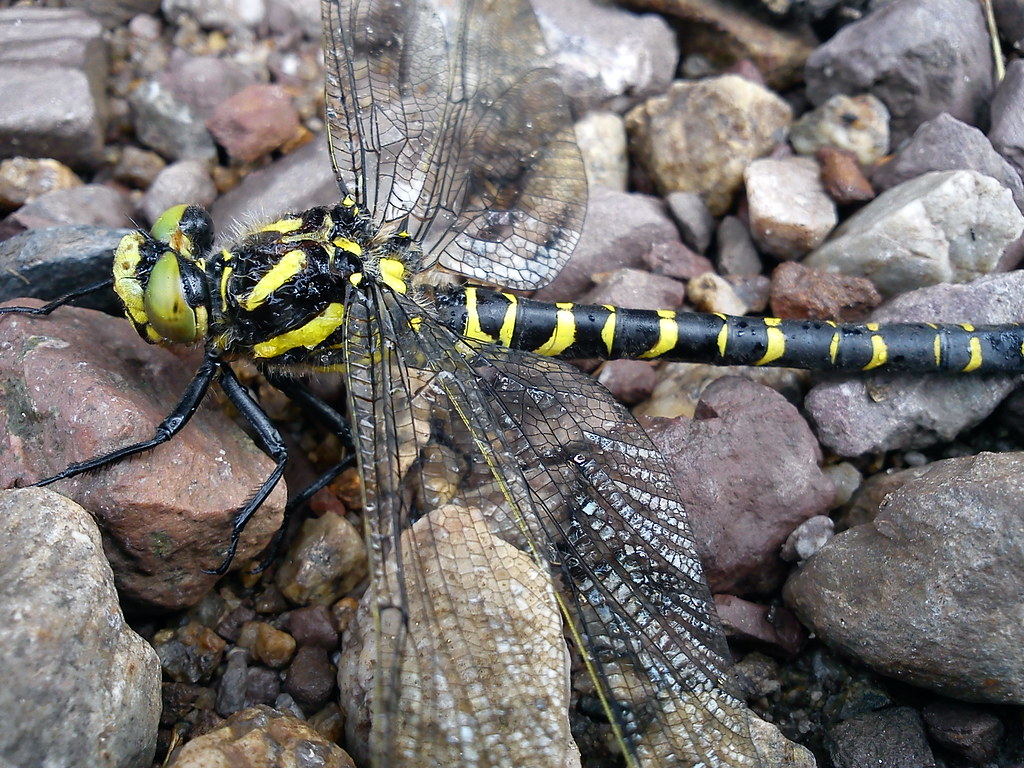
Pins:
x,y
461,187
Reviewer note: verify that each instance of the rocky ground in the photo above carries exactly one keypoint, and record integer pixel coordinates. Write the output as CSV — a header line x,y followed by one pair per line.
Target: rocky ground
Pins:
x,y
862,535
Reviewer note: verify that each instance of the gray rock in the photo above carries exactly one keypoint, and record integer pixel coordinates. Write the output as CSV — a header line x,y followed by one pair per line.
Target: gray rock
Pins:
x,y
53,70
94,204
187,181
947,226
78,384
205,82
1007,130
607,56
887,412
217,14
858,124
168,125
737,254
695,222
919,57
601,137
967,730
699,136
926,592
70,663
1010,21
892,737
636,288
116,13
790,214
810,536
325,561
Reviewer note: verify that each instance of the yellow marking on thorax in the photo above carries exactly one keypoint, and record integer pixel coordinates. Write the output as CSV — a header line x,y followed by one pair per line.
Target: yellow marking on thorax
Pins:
x,y
879,350
668,335
356,278
508,322
416,323
473,329
392,273
564,333
608,329
309,335
225,276
351,246
776,341
975,346
287,267
282,225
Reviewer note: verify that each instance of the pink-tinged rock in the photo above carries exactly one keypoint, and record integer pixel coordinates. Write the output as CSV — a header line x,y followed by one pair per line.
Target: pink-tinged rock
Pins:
x,y
801,292
254,122
767,625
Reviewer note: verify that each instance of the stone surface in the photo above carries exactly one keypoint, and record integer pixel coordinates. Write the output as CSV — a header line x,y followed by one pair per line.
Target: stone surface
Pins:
x,y
1007,130
920,593
799,292
53,67
737,254
966,730
842,177
23,179
205,82
261,737
942,227
919,57
891,737
808,537
186,181
254,122
94,204
166,124
700,136
218,14
637,289
885,412
741,507
789,212
601,137
773,627
858,124
691,215
70,663
324,562
712,293
78,384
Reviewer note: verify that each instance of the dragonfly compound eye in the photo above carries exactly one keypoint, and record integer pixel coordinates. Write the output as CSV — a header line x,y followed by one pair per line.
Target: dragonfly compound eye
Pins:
x,y
165,302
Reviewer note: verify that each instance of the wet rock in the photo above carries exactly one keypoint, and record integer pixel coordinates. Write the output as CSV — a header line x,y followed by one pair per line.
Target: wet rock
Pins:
x,y
637,289
601,137
606,56
701,135
23,179
233,683
258,737
736,252
476,628
740,506
968,731
53,70
920,593
772,626
891,737
164,123
711,293
310,677
808,537
949,226
92,204
325,561
842,178
267,643
919,57
799,292
254,122
186,181
790,214
1007,130
630,381
857,124
189,654
691,215
79,383
69,660
619,232
886,412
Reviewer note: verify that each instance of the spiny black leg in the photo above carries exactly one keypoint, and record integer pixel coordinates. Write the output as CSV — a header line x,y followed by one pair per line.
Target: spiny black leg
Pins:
x,y
321,411
60,302
167,428
270,441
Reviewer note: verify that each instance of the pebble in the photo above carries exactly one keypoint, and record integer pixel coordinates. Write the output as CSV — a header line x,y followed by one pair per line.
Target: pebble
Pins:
x,y
190,654
918,57
893,737
138,167
772,627
310,677
808,537
857,124
629,381
691,215
602,141
167,125
186,181
205,82
636,288
325,561
92,204
267,643
920,593
700,136
72,668
711,293
842,177
942,227
737,254
963,729
800,292
254,122
1007,129
260,737
23,179
312,625
790,214
162,524
217,14
675,260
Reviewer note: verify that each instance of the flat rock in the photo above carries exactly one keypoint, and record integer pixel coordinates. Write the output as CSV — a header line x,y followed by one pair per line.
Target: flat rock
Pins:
x,y
80,383
789,212
72,667
921,592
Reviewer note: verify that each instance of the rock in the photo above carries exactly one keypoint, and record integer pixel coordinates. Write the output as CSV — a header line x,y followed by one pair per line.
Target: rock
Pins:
x,y
471,631
53,71
190,654
790,214
891,737
842,178
636,289
629,381
310,677
966,730
675,260
69,661
742,508
771,626
711,293
857,124
700,136
799,292
919,57
606,56
691,215
736,252
254,122
1007,130
23,179
164,123
601,137
949,226
186,181
919,594
138,167
116,13
218,14
79,383
203,83
312,625
887,412
268,644
260,737
93,204
808,537
325,561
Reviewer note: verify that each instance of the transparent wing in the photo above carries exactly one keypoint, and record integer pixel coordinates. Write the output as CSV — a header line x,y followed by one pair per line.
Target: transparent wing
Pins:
x,y
514,456
441,116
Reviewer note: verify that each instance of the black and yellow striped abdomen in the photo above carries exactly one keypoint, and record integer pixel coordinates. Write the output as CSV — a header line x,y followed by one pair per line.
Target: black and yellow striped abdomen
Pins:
x,y
584,331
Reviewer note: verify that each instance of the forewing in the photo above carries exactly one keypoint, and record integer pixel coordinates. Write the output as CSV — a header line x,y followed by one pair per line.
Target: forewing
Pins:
x,y
442,116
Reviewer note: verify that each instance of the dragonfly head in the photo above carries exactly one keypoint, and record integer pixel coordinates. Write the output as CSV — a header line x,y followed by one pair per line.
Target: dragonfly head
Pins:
x,y
160,276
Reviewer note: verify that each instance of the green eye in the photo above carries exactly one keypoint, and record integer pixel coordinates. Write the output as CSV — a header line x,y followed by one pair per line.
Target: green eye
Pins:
x,y
169,221
164,299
